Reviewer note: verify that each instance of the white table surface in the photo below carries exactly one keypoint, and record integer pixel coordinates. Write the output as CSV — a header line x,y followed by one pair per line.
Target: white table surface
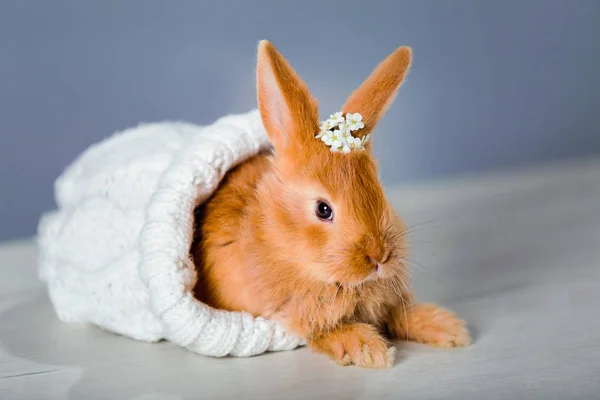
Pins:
x,y
516,253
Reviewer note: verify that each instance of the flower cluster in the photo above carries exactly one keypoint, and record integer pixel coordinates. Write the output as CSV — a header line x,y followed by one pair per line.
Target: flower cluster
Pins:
x,y
336,132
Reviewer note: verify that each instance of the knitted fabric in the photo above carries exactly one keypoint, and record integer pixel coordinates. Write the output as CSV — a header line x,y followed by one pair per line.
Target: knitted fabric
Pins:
x,y
115,252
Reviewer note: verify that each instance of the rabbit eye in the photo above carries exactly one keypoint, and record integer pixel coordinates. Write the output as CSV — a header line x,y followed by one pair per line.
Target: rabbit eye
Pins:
x,y
324,211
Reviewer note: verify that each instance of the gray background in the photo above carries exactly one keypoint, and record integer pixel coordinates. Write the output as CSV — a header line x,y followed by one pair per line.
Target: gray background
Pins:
x,y
493,84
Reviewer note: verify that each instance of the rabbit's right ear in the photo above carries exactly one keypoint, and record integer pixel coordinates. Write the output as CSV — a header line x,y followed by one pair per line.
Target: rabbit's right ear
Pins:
x,y
376,94
288,111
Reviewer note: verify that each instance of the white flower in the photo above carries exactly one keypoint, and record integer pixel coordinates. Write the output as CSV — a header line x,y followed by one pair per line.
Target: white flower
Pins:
x,y
333,139
336,118
354,121
344,129
333,121
355,143
327,137
337,140
336,132
321,133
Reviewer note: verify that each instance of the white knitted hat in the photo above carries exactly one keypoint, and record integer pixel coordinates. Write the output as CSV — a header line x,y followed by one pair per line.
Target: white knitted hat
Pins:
x,y
116,251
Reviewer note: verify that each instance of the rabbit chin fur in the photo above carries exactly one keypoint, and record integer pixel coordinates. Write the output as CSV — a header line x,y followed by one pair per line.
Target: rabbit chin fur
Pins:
x,y
341,284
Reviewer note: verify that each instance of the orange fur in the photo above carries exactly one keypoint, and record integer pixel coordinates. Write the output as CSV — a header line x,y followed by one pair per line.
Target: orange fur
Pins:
x,y
373,98
430,324
259,247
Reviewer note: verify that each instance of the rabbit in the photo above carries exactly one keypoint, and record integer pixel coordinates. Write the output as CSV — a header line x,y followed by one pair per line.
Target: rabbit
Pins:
x,y
305,236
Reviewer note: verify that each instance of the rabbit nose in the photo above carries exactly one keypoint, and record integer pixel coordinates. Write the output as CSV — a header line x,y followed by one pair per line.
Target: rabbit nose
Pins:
x,y
379,256
376,263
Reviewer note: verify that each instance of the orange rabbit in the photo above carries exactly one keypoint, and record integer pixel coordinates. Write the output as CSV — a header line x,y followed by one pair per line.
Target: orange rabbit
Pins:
x,y
306,236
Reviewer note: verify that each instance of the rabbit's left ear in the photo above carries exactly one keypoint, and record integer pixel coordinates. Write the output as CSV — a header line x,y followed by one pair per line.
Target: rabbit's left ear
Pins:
x,y
288,111
373,98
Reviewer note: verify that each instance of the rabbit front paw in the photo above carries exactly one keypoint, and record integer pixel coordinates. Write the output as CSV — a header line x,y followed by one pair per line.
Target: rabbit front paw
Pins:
x,y
356,344
429,324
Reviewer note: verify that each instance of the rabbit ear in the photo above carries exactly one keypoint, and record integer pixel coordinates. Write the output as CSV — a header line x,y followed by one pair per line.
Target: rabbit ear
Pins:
x,y
287,109
376,94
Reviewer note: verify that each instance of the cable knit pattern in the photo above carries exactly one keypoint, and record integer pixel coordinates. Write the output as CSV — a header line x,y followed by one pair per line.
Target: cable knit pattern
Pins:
x,y
115,253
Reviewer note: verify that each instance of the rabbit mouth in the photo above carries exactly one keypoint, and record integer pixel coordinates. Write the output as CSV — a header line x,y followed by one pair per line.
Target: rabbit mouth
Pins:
x,y
377,272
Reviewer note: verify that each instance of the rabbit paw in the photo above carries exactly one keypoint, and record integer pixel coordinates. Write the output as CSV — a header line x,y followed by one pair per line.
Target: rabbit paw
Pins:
x,y
358,344
429,324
